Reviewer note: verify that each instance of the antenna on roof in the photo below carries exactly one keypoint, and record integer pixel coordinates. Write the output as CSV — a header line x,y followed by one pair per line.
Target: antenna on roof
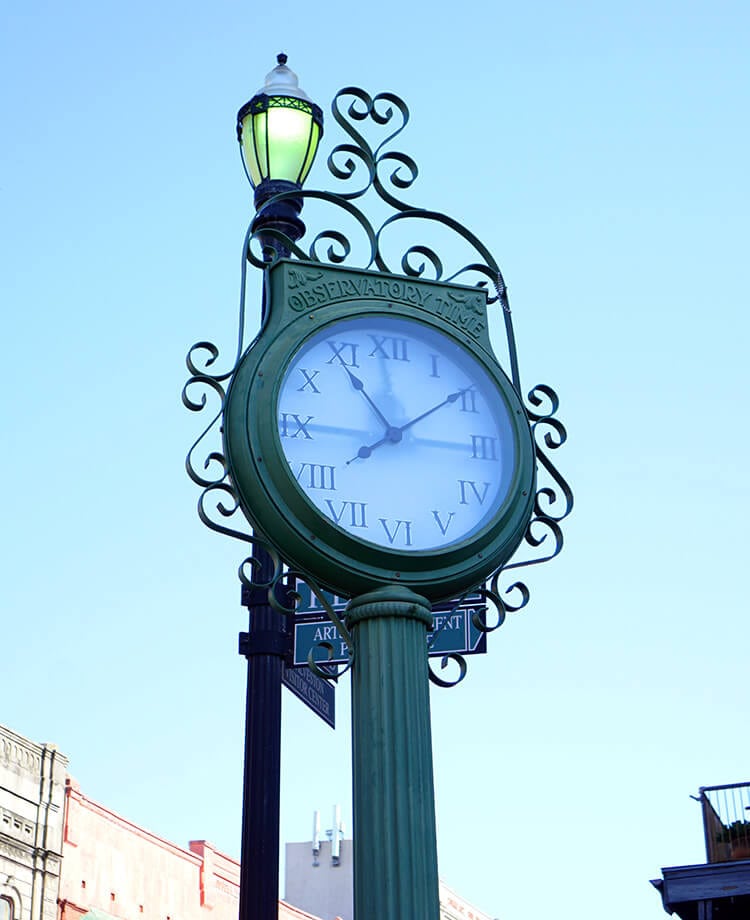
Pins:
x,y
316,838
336,836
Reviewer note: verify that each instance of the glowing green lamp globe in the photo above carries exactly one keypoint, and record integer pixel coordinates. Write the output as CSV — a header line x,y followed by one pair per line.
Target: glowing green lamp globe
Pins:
x,y
279,130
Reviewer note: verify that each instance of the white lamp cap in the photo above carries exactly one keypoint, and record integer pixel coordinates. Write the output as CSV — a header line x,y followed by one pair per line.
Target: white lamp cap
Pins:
x,y
282,81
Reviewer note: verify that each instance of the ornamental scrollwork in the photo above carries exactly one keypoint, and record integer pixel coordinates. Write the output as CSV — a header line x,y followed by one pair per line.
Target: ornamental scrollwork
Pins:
x,y
365,167
503,592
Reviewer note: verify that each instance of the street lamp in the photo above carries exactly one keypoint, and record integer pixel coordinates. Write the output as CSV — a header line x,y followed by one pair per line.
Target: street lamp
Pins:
x,y
279,130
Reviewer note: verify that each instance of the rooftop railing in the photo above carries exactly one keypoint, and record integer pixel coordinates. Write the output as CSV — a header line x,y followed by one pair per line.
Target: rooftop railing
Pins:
x,y
726,821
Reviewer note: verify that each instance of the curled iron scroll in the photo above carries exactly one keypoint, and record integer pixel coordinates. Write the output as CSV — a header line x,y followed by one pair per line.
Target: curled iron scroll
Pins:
x,y
316,664
361,165
543,539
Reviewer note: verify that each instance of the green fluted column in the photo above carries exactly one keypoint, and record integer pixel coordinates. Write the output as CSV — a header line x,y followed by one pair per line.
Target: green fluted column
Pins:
x,y
395,847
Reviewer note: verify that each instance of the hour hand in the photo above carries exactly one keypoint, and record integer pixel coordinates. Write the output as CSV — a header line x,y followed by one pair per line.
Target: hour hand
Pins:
x,y
395,434
358,385
391,434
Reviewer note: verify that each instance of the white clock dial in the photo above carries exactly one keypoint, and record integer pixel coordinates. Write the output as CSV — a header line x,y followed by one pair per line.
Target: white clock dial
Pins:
x,y
396,432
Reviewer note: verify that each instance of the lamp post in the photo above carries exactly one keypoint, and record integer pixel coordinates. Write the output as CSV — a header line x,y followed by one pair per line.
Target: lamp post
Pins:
x,y
378,447
278,131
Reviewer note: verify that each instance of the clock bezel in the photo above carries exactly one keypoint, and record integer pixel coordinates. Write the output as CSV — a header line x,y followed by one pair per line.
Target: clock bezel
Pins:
x,y
278,507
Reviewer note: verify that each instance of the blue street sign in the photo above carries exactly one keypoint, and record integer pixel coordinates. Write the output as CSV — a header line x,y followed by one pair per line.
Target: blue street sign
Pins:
x,y
454,632
316,693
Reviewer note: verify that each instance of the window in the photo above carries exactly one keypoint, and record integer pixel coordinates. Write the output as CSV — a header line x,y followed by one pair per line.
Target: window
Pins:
x,y
6,908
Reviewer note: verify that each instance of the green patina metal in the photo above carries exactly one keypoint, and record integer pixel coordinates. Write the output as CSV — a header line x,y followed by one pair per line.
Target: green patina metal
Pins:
x,y
302,300
365,167
394,811
395,873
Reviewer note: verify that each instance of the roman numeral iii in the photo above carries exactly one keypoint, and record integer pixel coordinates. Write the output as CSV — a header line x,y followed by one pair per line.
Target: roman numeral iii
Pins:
x,y
483,448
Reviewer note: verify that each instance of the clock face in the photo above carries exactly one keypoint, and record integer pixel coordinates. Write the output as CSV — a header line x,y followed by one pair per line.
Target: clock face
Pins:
x,y
396,433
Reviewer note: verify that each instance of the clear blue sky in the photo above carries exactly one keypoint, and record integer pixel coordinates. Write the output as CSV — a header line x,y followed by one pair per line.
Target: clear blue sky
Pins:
x,y
601,152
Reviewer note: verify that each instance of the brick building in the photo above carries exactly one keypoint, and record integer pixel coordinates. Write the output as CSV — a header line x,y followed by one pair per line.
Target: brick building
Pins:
x,y
113,868
64,856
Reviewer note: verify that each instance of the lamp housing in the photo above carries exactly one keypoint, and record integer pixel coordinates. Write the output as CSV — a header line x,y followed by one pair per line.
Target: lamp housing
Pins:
x,y
279,130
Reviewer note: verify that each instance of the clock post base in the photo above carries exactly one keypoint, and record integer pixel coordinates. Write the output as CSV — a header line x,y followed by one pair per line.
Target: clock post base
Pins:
x,y
395,846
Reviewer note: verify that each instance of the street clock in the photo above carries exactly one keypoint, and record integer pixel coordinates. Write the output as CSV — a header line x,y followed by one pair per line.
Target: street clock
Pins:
x,y
372,436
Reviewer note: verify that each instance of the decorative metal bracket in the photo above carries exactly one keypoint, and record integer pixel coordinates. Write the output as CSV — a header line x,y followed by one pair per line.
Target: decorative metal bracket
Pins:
x,y
389,173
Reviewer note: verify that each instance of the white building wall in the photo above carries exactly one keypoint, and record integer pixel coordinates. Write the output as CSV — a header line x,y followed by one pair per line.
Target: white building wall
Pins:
x,y
32,790
325,889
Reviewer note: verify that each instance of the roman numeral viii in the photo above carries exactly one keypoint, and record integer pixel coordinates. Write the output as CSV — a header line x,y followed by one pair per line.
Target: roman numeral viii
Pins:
x,y
316,476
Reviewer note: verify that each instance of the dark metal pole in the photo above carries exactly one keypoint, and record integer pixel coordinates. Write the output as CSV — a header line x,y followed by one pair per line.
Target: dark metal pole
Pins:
x,y
264,646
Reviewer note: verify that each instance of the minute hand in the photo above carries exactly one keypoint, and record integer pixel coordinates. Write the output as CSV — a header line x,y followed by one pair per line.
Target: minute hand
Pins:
x,y
449,399
393,434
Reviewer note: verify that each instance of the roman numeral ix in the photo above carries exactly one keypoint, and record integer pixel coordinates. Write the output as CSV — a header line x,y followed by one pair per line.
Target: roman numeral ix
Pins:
x,y
292,426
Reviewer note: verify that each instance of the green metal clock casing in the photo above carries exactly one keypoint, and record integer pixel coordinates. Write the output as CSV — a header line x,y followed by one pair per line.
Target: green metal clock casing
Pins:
x,y
372,437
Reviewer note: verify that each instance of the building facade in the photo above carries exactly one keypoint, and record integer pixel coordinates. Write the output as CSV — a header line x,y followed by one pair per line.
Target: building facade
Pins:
x,y
64,856
718,889
319,877
115,870
32,790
